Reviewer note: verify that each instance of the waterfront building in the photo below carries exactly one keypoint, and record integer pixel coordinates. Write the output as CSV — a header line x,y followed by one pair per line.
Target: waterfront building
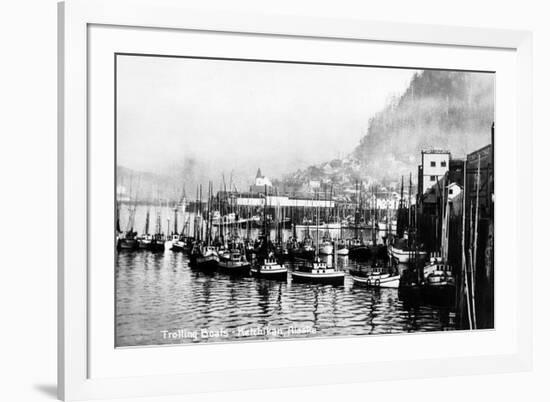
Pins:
x,y
258,200
434,165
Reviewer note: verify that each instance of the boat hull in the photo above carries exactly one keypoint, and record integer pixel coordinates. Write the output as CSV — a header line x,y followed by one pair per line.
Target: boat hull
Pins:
x,y
359,253
179,246
127,244
439,294
209,262
336,278
391,282
275,274
303,254
144,244
405,256
156,247
233,268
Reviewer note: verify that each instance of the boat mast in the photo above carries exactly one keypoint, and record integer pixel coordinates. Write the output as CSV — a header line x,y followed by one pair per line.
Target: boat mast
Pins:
x,y
356,217
147,222
200,213
464,263
400,224
176,219
266,230
474,262
317,229
374,215
208,215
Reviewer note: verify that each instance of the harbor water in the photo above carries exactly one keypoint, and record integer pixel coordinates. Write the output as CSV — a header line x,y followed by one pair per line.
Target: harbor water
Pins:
x,y
160,300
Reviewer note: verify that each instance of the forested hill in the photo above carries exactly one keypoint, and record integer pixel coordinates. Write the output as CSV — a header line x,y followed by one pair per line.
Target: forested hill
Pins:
x,y
440,109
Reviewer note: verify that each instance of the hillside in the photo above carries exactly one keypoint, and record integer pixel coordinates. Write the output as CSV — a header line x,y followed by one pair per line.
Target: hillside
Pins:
x,y
440,109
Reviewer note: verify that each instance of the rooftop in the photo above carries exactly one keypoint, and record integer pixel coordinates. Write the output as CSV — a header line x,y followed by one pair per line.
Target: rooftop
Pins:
x,y
436,151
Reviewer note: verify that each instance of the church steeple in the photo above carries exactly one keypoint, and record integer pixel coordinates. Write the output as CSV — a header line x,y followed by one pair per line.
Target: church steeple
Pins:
x,y
259,174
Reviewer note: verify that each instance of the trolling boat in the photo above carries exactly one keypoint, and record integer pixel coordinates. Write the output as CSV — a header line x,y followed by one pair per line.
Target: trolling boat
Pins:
x,y
404,249
306,250
157,242
400,252
439,282
318,271
144,241
128,239
358,249
270,269
438,275
233,262
292,245
378,277
158,239
203,254
181,242
207,258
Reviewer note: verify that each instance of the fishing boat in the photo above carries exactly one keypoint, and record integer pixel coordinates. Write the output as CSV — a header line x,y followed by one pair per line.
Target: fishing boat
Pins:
x,y
439,284
203,255
233,262
144,241
207,259
404,249
438,275
127,241
270,269
178,243
358,249
401,253
378,277
157,242
158,239
318,271
305,250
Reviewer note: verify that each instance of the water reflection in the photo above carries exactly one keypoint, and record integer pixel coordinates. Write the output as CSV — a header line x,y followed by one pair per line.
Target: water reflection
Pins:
x,y
160,292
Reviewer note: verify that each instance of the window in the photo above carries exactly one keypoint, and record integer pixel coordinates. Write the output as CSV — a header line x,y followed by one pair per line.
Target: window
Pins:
x,y
444,164
450,191
432,163
433,178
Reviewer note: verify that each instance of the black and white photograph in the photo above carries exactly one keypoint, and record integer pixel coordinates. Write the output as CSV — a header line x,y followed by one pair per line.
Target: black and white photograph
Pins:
x,y
265,200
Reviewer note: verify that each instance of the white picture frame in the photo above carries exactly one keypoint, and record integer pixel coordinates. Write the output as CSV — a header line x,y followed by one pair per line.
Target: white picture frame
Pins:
x,y
76,379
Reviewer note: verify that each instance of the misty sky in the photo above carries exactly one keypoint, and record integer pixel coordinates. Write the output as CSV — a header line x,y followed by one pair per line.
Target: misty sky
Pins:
x,y
222,116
